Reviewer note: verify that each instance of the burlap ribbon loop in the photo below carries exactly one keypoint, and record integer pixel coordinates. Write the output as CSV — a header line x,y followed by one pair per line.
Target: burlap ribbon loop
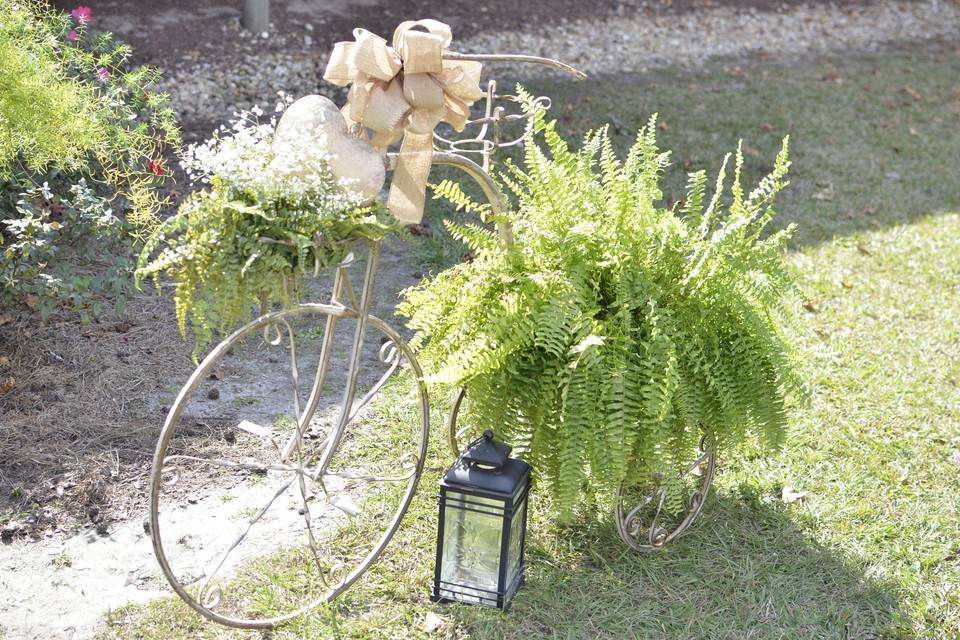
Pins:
x,y
403,92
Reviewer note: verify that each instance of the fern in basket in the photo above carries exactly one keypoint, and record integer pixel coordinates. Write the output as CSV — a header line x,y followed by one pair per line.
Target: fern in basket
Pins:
x,y
272,213
614,334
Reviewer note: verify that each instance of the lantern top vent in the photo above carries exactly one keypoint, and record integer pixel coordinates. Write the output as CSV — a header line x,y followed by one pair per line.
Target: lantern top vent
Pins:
x,y
486,468
487,452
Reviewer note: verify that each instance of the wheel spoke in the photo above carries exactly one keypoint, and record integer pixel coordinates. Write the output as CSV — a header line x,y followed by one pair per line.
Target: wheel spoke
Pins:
x,y
243,534
311,539
394,360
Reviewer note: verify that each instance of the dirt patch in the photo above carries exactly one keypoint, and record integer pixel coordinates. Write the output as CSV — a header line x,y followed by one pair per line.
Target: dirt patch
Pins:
x,y
80,422
87,574
77,464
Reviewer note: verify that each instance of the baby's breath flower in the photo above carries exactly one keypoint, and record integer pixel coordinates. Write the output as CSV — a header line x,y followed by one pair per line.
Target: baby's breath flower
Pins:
x,y
216,254
250,162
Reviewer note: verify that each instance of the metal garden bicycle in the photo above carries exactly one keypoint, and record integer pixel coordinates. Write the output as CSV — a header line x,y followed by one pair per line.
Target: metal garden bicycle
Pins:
x,y
322,484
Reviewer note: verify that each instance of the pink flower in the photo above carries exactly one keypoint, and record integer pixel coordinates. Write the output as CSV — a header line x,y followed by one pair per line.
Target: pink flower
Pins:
x,y
73,36
82,14
103,74
955,458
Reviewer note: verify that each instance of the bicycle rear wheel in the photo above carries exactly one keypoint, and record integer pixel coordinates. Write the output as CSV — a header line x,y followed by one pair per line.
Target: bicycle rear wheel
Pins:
x,y
644,521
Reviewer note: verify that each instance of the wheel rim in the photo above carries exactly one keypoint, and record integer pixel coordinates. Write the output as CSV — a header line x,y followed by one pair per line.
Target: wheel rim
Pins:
x,y
207,598
453,435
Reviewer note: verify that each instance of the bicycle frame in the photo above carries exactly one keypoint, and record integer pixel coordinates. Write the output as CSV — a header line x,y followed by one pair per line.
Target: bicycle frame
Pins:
x,y
480,175
344,303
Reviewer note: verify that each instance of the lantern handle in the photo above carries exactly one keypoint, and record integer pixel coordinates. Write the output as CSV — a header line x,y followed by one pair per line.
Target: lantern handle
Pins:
x,y
487,452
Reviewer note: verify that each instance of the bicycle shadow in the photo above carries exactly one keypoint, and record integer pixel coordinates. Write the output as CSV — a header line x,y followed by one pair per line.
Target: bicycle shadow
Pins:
x,y
745,570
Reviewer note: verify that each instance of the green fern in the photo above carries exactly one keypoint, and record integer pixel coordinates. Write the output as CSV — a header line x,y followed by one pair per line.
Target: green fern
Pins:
x,y
218,251
614,334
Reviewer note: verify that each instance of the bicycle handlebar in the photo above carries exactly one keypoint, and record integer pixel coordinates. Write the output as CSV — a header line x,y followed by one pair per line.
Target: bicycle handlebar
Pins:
x,y
509,57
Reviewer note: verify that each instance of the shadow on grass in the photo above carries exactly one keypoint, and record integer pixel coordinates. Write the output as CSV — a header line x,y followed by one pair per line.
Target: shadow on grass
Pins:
x,y
744,571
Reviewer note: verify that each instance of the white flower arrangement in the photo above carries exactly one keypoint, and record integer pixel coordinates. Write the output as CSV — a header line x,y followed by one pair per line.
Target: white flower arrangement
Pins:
x,y
249,160
270,209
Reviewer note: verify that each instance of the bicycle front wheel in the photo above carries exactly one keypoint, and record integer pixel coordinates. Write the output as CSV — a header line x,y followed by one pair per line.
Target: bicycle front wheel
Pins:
x,y
261,511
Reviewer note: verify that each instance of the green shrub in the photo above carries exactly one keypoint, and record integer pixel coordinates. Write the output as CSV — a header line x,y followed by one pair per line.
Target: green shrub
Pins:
x,y
76,121
79,105
66,252
614,334
46,116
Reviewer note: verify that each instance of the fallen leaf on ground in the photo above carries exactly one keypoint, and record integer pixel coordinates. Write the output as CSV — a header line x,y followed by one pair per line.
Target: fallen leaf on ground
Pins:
x,y
953,555
7,384
4,361
33,302
811,306
433,622
862,248
825,195
5,320
831,74
913,93
789,495
870,210
663,126
345,504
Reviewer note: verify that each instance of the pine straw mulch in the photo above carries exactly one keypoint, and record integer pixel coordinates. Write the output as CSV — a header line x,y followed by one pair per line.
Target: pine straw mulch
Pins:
x,y
81,411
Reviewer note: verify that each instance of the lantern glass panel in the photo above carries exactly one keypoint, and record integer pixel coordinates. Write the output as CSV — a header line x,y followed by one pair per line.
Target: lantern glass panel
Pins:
x,y
471,547
516,540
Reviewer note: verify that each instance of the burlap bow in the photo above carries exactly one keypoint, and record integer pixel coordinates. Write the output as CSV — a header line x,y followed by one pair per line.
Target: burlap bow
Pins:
x,y
404,91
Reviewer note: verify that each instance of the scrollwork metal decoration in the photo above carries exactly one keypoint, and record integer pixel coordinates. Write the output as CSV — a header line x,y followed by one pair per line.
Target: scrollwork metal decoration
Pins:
x,y
643,521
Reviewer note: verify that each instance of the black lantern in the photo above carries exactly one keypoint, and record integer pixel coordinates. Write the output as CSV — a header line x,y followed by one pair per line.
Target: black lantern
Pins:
x,y
483,520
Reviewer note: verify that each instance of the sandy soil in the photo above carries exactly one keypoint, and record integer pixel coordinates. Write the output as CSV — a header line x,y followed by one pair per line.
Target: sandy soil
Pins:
x,y
83,576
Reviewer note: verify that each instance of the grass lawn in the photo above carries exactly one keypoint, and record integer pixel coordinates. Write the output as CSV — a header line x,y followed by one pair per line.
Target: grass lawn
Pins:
x,y
873,549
